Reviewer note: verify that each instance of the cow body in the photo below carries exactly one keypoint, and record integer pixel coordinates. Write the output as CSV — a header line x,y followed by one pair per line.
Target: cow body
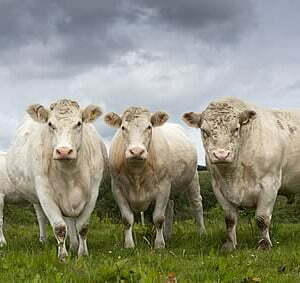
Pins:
x,y
145,172
253,154
58,159
8,194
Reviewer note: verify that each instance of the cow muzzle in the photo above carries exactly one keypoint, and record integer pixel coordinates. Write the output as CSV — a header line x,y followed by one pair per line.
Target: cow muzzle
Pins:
x,y
136,154
64,153
221,156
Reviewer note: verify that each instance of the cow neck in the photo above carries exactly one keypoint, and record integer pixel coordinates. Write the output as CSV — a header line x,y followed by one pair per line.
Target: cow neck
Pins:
x,y
137,174
227,172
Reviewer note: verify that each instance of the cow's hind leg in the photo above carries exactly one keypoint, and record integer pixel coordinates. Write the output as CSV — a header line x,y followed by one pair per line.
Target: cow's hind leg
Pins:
x,y
168,224
195,200
42,221
2,238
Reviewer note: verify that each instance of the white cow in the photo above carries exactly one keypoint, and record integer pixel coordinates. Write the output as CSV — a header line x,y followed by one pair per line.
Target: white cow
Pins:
x,y
149,162
58,160
8,194
253,154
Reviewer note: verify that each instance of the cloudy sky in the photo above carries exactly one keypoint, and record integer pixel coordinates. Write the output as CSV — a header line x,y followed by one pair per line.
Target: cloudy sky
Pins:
x,y
170,55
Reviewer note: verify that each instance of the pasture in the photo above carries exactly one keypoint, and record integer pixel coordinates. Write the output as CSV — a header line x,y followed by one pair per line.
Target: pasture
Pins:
x,y
188,257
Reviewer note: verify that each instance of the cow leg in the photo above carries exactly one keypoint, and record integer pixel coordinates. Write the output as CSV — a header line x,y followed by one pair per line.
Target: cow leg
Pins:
x,y
195,200
231,218
2,238
82,222
72,234
168,224
159,215
42,220
127,216
264,210
53,214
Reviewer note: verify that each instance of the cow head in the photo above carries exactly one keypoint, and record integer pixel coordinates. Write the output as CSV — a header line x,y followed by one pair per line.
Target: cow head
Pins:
x,y
221,127
136,126
64,122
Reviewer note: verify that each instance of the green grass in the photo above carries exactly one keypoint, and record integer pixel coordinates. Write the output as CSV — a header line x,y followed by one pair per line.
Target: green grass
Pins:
x,y
190,257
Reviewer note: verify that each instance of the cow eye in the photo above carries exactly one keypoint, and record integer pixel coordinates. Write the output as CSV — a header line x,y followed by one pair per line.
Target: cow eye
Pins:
x,y
123,128
79,124
51,126
149,127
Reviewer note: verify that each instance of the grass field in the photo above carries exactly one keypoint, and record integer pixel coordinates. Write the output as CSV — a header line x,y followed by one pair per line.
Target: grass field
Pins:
x,y
188,257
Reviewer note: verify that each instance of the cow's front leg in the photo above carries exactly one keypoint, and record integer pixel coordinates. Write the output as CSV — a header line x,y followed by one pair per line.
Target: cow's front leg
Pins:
x,y
53,214
42,221
82,222
127,215
231,218
264,210
159,215
2,238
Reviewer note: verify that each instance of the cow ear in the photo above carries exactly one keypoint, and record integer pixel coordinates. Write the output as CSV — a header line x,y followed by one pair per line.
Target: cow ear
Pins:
x,y
192,119
246,116
91,113
159,118
112,119
38,113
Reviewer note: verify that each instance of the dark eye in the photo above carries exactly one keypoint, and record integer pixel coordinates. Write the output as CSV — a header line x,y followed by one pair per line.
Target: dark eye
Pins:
x,y
123,128
79,124
149,127
51,126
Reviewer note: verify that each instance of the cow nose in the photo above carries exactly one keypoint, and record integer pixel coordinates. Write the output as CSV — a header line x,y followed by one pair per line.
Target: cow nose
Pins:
x,y
136,151
221,154
64,152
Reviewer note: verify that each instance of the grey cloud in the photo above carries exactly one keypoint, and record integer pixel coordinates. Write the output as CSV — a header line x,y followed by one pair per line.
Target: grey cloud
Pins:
x,y
72,36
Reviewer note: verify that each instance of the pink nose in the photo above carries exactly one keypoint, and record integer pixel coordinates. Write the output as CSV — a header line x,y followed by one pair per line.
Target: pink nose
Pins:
x,y
64,152
136,151
221,154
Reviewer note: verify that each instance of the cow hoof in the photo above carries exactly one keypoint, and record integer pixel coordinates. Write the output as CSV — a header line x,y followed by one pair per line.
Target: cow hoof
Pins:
x,y
3,243
129,245
62,256
43,240
202,231
159,245
228,247
264,244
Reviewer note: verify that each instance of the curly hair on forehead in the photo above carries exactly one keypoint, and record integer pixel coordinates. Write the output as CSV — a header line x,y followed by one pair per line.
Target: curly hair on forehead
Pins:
x,y
134,112
64,104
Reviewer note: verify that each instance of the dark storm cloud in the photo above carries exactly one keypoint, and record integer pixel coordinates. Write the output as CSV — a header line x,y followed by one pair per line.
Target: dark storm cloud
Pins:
x,y
212,20
78,35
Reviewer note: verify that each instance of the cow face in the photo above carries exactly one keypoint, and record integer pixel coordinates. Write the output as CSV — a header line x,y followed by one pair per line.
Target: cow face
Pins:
x,y
221,129
65,121
136,128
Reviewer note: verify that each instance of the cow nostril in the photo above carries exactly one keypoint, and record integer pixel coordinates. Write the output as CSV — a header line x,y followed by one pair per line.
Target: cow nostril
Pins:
x,y
142,151
70,151
58,152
